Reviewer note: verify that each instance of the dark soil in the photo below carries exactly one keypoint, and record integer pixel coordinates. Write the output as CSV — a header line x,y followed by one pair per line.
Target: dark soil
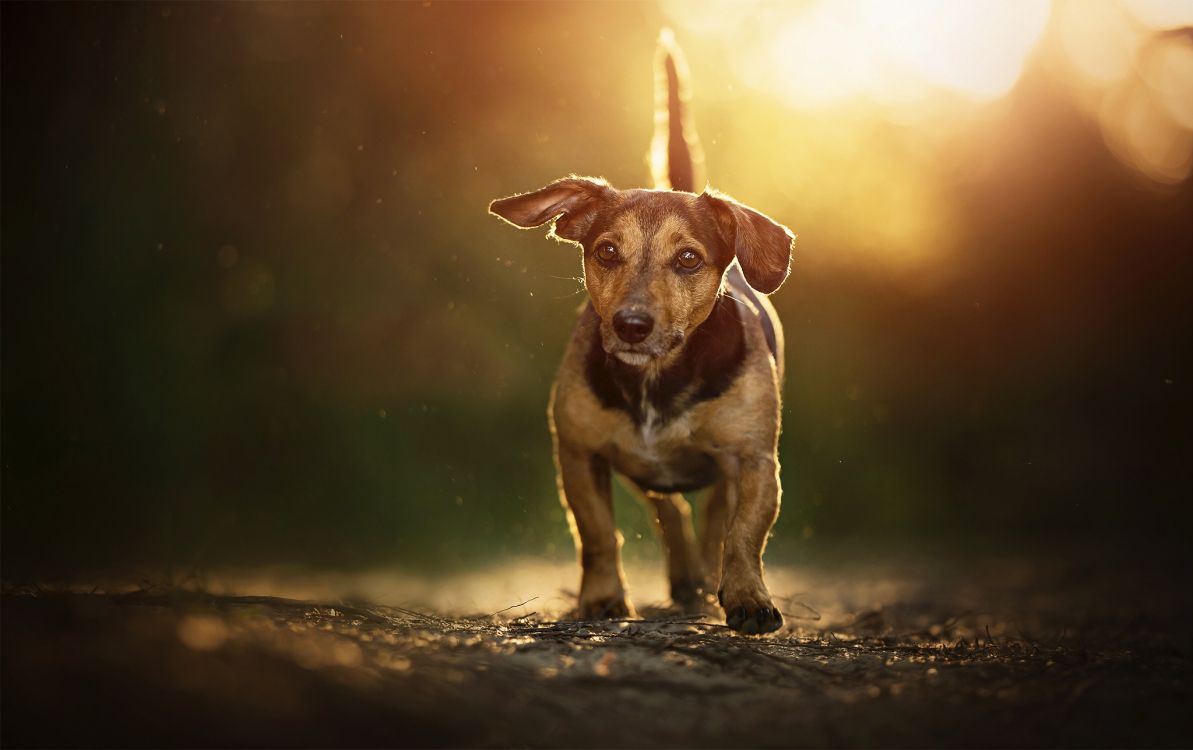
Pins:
x,y
999,654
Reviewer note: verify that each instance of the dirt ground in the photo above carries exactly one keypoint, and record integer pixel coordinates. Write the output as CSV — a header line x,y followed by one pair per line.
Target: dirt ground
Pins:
x,y
998,652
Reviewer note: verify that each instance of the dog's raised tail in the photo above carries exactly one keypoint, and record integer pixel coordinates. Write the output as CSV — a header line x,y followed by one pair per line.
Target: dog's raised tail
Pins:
x,y
676,158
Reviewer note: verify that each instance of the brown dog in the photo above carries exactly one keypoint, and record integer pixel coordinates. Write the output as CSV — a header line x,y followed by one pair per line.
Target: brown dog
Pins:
x,y
672,376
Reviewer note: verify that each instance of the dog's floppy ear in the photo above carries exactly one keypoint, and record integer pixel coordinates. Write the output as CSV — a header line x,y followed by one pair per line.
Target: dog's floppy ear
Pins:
x,y
763,246
575,200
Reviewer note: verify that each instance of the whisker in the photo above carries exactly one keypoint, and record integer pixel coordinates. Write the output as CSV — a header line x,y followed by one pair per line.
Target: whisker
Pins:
x,y
578,279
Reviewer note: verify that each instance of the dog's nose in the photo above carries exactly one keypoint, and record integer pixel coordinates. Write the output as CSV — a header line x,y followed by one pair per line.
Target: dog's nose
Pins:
x,y
632,327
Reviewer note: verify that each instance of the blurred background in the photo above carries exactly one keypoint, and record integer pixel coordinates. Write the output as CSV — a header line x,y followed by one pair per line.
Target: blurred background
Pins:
x,y
254,312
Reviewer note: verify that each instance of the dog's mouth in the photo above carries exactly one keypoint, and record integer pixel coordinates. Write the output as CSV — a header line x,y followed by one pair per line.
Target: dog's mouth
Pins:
x,y
637,359
640,355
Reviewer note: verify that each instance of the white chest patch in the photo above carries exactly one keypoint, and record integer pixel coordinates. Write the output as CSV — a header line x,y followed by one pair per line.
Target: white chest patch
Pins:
x,y
650,429
655,448
663,456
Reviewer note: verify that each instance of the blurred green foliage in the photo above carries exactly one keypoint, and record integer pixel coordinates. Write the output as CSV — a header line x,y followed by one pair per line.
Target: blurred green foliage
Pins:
x,y
254,310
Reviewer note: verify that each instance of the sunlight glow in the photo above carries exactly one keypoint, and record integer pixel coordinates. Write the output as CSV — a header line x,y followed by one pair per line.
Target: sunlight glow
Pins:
x,y
1139,130
1098,40
1168,70
851,92
977,47
1161,14
827,52
1138,85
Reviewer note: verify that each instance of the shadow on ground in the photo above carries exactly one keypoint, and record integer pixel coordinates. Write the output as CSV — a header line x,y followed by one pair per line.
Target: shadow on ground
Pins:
x,y
1003,653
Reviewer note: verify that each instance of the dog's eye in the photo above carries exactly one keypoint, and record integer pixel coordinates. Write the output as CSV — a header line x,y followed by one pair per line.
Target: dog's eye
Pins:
x,y
606,253
688,260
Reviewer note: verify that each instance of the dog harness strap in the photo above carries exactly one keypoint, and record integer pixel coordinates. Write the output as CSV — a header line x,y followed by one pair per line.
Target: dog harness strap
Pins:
x,y
737,282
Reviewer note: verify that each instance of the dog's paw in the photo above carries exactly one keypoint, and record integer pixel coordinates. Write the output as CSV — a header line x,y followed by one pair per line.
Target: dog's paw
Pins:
x,y
754,622
688,595
750,614
608,608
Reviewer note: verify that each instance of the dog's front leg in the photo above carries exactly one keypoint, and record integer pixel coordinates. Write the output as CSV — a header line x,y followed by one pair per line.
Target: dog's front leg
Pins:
x,y
717,509
585,489
673,521
747,603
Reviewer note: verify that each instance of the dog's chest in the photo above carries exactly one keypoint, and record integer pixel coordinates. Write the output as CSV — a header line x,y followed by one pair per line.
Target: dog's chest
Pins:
x,y
662,455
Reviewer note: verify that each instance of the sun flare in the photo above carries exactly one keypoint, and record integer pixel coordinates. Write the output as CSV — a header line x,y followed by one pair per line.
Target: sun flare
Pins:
x,y
828,52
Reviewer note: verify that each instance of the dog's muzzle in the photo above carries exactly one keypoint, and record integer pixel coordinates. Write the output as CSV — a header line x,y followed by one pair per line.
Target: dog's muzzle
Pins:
x,y
642,351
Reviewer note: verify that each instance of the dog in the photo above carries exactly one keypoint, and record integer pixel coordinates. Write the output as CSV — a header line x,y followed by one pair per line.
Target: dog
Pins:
x,y
673,374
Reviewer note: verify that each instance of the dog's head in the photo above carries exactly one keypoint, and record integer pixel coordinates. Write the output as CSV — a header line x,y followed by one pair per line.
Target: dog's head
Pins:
x,y
654,259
